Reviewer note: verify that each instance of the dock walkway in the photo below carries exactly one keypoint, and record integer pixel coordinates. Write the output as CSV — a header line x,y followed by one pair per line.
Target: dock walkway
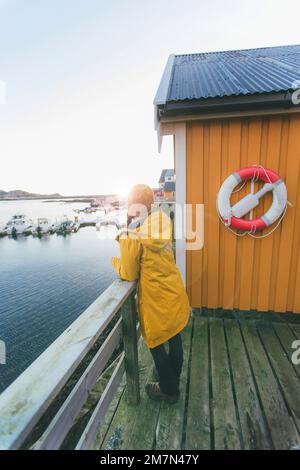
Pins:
x,y
239,390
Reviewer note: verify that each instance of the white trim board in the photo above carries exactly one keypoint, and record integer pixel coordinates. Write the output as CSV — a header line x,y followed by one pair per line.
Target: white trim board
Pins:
x,y
162,94
178,130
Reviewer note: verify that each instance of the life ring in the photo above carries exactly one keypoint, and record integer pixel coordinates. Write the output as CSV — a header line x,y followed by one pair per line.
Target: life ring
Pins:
x,y
232,216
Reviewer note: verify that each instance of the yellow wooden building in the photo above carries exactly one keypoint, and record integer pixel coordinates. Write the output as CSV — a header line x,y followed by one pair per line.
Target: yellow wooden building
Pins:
x,y
240,376
229,110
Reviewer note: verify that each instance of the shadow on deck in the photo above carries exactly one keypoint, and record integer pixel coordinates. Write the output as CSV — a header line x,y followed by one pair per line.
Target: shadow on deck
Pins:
x,y
239,390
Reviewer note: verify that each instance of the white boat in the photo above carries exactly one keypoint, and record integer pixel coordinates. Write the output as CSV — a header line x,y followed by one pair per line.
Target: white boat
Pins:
x,y
19,224
88,210
54,226
66,226
3,229
76,226
41,227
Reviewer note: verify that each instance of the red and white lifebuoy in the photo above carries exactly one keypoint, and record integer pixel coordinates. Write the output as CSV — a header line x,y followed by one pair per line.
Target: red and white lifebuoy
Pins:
x,y
232,216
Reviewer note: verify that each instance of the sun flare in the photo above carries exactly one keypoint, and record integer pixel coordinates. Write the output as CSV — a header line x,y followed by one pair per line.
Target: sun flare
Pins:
x,y
123,192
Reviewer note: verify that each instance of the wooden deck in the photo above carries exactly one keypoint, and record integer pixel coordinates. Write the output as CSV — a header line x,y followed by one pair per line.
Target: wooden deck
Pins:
x,y
239,390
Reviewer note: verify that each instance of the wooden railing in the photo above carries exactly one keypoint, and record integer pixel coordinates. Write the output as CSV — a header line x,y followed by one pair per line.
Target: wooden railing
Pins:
x,y
24,403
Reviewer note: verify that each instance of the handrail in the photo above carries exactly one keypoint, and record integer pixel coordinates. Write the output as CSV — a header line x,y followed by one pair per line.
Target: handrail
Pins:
x,y
24,402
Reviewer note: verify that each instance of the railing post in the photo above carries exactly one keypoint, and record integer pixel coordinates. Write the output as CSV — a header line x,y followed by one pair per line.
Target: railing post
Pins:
x,y
131,350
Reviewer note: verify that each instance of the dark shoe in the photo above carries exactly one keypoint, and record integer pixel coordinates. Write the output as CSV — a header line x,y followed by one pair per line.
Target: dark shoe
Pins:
x,y
153,391
155,374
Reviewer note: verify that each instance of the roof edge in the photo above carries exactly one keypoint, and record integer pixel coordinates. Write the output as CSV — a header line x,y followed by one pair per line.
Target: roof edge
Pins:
x,y
237,50
225,104
163,88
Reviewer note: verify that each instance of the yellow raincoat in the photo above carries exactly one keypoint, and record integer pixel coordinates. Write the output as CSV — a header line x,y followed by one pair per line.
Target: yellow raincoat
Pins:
x,y
146,254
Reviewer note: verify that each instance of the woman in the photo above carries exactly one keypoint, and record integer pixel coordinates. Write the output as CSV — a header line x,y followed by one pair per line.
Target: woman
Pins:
x,y
147,256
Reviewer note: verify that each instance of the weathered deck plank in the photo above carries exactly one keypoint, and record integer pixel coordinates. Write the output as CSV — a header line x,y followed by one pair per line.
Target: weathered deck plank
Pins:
x,y
280,423
286,338
133,427
288,381
170,424
296,329
254,429
226,425
241,391
198,432
142,435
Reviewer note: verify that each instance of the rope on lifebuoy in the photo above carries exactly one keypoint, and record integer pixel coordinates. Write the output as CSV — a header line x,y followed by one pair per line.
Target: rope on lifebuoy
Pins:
x,y
253,228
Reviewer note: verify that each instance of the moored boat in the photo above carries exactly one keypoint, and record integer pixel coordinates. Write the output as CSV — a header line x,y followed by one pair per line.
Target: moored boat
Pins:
x,y
66,226
3,229
19,224
76,226
41,227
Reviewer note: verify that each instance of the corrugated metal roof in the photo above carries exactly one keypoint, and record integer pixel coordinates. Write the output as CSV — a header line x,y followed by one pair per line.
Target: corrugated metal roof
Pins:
x,y
162,176
233,73
169,172
165,173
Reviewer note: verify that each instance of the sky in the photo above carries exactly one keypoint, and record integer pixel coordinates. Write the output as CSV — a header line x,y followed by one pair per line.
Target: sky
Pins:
x,y
79,79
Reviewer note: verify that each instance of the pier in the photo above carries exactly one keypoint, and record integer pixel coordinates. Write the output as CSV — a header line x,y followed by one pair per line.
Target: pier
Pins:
x,y
239,386
239,390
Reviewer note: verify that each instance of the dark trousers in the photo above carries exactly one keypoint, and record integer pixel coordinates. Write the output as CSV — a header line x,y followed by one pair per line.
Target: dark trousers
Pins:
x,y
169,364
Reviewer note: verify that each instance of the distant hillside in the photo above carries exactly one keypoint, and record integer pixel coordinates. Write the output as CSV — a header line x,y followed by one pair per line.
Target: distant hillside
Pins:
x,y
19,194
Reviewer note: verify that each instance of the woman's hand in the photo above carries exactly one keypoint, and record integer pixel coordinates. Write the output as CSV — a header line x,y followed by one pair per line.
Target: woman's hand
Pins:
x,y
116,264
129,219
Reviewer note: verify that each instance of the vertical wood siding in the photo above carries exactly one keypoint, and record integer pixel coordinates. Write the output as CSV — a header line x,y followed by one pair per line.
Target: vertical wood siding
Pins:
x,y
243,272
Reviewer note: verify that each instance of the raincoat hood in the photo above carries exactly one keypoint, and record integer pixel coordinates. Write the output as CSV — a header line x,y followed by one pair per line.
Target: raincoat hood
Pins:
x,y
155,232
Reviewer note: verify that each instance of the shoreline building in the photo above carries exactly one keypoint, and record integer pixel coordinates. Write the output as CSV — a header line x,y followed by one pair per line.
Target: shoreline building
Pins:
x,y
166,184
230,110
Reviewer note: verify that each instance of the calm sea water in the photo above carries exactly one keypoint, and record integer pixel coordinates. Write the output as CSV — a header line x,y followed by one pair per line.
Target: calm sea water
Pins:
x,y
45,284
